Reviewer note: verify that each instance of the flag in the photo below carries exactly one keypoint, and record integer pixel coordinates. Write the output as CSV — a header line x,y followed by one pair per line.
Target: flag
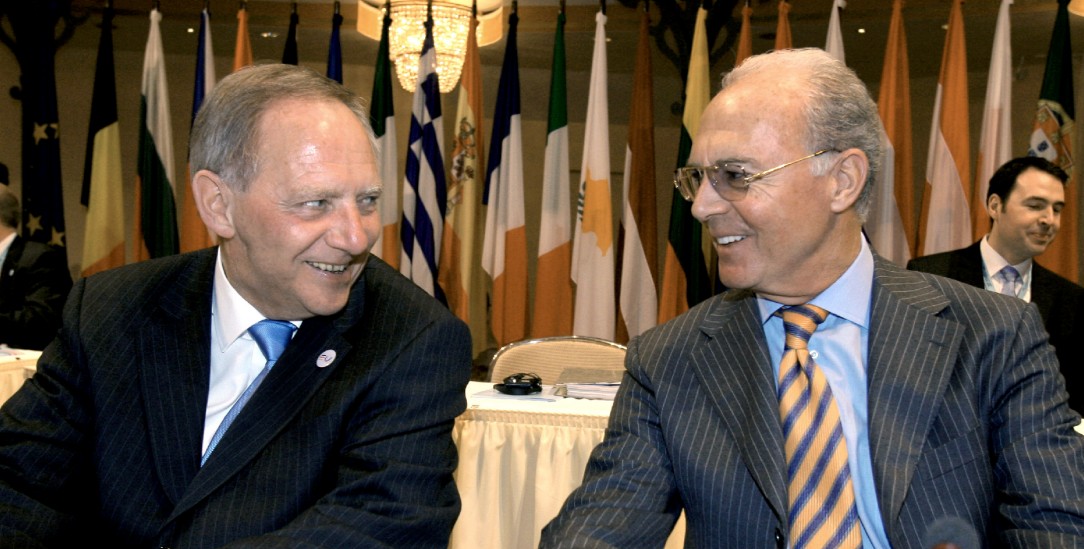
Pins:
x,y
194,234
745,36
595,312
335,49
552,313
685,279
946,215
504,251
1052,138
156,216
242,51
103,241
289,51
834,44
42,192
425,192
382,119
893,104
995,140
637,253
890,224
783,40
463,285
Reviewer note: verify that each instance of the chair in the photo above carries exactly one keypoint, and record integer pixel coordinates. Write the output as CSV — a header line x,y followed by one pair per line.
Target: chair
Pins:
x,y
549,356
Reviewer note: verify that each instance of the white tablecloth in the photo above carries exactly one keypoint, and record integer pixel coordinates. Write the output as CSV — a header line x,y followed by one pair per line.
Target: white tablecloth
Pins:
x,y
16,366
518,461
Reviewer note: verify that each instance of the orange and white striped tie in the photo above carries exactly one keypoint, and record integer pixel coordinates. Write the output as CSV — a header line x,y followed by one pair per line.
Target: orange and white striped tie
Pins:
x,y
822,510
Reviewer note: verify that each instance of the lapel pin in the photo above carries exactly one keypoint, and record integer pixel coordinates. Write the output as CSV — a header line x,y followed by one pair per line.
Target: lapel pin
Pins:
x,y
325,358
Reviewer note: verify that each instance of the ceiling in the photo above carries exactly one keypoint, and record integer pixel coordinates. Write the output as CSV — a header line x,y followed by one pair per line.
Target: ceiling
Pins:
x,y
1031,23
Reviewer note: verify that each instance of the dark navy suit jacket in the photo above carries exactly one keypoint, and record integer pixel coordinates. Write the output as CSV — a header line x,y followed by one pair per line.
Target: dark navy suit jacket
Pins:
x,y
34,282
1060,303
103,443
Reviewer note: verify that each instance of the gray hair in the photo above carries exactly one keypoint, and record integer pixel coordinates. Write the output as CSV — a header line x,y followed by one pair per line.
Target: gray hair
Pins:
x,y
225,135
839,112
9,208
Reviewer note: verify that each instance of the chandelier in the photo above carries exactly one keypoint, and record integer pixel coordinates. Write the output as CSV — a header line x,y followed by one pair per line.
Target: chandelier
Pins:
x,y
451,23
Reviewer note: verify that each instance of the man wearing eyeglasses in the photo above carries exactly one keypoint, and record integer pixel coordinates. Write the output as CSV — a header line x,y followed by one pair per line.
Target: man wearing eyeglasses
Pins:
x,y
830,399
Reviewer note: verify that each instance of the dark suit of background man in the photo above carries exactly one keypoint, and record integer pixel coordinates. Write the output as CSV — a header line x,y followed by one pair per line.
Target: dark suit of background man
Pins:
x,y
1024,201
34,280
347,440
948,397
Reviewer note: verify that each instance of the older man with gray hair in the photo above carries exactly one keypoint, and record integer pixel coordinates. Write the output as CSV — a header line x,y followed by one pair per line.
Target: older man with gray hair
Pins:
x,y
830,399
284,389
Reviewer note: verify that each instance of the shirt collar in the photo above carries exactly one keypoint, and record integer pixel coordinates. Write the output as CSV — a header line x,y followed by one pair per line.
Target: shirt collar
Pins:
x,y
839,298
6,243
993,262
231,314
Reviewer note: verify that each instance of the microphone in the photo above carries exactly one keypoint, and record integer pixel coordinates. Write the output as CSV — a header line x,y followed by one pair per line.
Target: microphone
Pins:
x,y
951,533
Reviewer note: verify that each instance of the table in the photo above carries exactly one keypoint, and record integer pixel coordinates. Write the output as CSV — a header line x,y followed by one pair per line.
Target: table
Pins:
x,y
16,366
518,461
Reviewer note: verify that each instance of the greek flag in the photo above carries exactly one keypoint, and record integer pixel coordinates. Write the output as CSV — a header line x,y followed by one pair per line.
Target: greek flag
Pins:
x,y
424,191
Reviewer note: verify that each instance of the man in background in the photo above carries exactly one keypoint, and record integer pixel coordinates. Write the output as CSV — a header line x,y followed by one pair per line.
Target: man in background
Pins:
x,y
285,389
1024,202
34,280
830,398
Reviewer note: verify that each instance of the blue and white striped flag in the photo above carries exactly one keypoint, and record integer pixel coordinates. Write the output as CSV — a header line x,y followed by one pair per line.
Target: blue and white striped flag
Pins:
x,y
425,192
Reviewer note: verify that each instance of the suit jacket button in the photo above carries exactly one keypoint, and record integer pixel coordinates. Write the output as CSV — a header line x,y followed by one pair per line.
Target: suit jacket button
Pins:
x,y
780,539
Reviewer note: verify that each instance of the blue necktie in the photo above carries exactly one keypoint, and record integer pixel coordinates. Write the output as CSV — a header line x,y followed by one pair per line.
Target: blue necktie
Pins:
x,y
271,336
1009,277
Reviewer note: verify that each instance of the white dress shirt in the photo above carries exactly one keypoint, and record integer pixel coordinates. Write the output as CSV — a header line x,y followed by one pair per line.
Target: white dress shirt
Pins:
x,y
992,263
5,245
236,359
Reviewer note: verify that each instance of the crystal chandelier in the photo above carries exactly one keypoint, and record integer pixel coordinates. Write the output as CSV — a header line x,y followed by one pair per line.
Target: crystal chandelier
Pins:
x,y
451,23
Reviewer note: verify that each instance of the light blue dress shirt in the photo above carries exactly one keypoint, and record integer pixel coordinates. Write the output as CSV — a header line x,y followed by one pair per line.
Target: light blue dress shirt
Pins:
x,y
840,347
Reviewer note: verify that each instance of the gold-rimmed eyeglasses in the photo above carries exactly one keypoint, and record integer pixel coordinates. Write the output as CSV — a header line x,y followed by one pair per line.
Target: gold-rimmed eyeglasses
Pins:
x,y
729,180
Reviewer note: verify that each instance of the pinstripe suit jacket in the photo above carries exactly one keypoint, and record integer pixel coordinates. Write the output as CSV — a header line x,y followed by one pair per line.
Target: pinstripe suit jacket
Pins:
x,y
967,417
103,444
1060,303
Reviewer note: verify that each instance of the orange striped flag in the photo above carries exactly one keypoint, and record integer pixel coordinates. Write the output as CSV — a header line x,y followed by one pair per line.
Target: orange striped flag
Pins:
x,y
242,52
552,313
637,252
783,40
995,139
891,222
946,215
745,36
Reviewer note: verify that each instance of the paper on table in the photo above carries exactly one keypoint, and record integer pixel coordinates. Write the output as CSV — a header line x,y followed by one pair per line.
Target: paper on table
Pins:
x,y
592,383
547,395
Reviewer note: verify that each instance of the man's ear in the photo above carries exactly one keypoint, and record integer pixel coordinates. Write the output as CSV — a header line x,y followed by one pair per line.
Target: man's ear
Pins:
x,y
849,178
993,207
213,199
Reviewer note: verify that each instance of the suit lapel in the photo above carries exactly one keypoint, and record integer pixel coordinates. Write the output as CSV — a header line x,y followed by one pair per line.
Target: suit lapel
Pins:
x,y
911,355
966,266
1042,295
295,378
733,367
175,361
